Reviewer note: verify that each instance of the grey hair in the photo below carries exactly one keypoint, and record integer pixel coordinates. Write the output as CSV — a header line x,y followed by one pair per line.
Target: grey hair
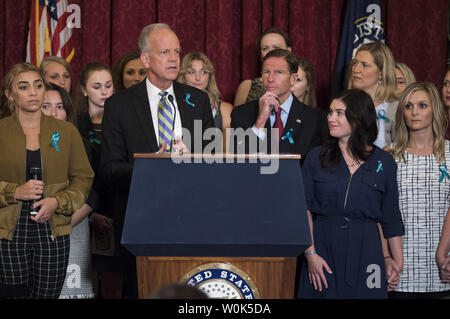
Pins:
x,y
143,37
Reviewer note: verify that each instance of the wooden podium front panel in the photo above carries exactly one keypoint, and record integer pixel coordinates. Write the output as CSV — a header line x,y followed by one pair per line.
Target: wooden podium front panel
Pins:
x,y
274,277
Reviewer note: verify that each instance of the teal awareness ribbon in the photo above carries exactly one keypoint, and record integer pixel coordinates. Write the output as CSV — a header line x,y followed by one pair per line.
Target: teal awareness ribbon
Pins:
x,y
443,170
93,139
381,115
380,167
289,136
188,96
55,140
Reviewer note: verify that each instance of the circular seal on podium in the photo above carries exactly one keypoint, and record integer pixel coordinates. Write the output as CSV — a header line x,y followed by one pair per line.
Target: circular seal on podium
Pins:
x,y
222,281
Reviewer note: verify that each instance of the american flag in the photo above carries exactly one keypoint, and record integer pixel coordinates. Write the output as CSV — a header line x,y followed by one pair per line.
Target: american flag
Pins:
x,y
49,33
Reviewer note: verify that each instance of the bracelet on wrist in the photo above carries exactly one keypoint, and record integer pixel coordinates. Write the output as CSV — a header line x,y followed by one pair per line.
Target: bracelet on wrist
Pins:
x,y
310,252
386,257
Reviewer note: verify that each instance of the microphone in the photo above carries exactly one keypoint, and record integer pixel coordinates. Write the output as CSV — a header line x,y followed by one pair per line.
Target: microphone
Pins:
x,y
34,173
170,97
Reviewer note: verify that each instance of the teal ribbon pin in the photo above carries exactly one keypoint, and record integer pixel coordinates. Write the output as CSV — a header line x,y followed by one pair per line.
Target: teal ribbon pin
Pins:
x,y
443,169
188,96
289,136
55,140
381,115
93,139
380,167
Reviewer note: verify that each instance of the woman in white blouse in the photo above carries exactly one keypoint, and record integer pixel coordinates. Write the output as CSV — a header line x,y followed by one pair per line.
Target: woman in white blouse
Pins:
x,y
423,157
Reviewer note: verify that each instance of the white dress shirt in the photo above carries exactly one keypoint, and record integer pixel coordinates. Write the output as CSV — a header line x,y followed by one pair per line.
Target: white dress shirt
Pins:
x,y
153,99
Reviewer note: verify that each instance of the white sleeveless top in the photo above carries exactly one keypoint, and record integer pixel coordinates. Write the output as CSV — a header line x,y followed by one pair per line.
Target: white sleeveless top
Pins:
x,y
423,201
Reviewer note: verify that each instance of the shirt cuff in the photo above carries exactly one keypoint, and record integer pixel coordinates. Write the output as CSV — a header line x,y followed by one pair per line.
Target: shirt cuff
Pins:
x,y
393,230
260,133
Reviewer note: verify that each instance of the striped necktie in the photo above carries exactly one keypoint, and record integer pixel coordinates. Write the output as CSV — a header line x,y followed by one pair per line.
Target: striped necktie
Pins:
x,y
165,121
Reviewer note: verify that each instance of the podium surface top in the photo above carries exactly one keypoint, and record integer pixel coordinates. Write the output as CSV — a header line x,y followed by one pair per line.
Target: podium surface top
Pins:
x,y
212,209
218,156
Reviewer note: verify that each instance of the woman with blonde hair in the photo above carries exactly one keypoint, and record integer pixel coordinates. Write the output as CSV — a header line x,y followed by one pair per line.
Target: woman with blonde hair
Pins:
x,y
373,70
45,177
422,155
405,77
58,71
304,87
197,70
446,97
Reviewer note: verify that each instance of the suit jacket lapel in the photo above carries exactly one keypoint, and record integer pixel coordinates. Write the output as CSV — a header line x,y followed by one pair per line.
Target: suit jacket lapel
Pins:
x,y
183,108
144,114
294,121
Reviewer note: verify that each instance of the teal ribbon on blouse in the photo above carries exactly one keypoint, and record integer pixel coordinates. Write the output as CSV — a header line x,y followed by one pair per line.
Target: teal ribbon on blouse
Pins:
x,y
55,140
93,139
380,167
443,170
381,115
289,136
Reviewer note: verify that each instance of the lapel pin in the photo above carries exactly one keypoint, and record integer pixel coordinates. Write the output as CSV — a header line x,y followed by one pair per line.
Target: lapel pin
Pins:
x,y
55,140
289,135
444,173
188,95
379,167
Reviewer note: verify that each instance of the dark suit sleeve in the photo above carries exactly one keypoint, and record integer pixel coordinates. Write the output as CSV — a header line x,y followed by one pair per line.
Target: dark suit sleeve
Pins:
x,y
208,120
244,117
321,129
115,163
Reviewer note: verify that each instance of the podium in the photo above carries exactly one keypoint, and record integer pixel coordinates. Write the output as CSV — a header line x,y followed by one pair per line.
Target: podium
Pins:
x,y
231,225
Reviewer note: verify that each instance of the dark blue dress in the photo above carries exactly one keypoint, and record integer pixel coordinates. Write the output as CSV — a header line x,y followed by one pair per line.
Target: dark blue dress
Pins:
x,y
345,210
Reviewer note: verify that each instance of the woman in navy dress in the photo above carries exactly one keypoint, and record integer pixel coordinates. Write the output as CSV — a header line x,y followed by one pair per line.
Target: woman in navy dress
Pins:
x,y
352,200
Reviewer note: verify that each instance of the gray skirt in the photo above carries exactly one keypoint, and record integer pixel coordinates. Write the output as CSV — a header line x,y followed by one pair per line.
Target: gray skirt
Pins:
x,y
78,283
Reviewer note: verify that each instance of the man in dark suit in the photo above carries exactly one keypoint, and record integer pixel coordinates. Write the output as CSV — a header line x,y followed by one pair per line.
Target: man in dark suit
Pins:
x,y
131,124
301,126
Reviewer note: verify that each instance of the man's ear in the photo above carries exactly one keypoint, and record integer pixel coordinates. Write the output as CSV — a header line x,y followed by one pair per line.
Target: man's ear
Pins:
x,y
145,60
293,79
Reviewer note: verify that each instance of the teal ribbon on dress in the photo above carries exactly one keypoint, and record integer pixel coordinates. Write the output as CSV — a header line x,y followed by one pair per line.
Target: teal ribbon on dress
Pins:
x,y
381,115
443,170
55,140
380,167
93,139
289,136
188,96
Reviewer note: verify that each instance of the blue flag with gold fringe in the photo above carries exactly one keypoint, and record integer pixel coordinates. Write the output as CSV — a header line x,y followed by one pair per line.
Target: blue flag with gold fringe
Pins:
x,y
362,24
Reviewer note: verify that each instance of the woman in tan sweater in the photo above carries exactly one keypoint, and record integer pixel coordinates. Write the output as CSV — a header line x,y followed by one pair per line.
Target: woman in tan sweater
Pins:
x,y
34,248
